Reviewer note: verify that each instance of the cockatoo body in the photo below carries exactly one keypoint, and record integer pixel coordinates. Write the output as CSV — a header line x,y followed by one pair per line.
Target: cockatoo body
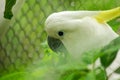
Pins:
x,y
80,31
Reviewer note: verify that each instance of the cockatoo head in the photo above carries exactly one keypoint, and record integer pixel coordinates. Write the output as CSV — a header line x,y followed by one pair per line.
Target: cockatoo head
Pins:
x,y
79,31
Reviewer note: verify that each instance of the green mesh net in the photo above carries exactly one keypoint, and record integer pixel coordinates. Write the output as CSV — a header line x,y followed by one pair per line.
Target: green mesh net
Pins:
x,y
22,44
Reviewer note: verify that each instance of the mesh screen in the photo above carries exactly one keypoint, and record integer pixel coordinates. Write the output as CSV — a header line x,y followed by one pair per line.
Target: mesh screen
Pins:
x,y
21,45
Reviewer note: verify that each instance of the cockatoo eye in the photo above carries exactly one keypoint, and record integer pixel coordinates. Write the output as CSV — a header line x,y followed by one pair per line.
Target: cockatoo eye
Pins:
x,y
60,33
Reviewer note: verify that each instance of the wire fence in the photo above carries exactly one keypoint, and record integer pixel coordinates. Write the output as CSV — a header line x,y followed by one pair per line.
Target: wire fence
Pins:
x,y
21,45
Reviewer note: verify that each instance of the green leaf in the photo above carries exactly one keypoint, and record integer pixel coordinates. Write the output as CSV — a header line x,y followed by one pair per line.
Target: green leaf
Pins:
x,y
74,74
109,52
14,76
100,74
118,70
8,9
95,74
89,76
107,59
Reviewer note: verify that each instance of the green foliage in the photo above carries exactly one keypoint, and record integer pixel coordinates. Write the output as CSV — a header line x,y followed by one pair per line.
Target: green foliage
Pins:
x,y
118,70
109,52
14,76
8,9
108,58
56,66
100,74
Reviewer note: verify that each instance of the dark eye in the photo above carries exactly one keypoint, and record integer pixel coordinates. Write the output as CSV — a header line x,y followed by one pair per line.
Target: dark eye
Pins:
x,y
60,33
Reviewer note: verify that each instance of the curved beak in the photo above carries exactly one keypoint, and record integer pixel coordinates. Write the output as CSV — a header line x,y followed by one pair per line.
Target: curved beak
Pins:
x,y
107,15
56,45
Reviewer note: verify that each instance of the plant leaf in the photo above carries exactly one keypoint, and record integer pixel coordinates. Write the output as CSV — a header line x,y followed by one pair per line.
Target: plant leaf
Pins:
x,y
109,52
107,59
8,9
118,70
100,74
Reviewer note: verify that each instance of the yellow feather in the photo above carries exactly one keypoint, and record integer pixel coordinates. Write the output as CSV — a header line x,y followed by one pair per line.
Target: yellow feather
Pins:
x,y
105,16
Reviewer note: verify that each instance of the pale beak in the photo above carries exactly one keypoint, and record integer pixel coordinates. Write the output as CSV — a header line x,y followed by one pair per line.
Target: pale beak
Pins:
x,y
107,15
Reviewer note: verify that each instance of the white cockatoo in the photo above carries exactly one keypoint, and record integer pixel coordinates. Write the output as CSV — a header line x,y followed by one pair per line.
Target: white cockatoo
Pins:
x,y
4,23
80,31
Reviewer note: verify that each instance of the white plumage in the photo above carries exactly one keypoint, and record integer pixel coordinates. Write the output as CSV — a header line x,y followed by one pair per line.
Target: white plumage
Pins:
x,y
82,31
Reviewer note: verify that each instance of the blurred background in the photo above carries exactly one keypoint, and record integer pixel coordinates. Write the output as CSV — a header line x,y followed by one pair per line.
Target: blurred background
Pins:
x,y
23,44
